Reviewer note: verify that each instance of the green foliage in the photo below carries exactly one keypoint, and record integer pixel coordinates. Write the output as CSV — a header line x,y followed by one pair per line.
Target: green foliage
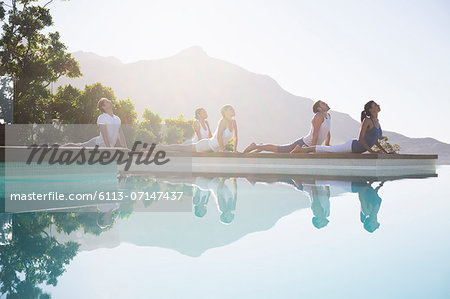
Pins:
x,y
173,135
33,58
86,104
149,130
64,104
384,141
32,257
124,109
149,117
183,125
229,146
74,106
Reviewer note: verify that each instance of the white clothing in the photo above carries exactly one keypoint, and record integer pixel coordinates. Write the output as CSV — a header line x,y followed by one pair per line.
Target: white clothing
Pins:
x,y
226,136
340,148
202,146
323,131
204,133
112,129
211,144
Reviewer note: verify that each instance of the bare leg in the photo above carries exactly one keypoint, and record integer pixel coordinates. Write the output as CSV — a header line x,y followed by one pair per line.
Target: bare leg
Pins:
x,y
299,149
261,147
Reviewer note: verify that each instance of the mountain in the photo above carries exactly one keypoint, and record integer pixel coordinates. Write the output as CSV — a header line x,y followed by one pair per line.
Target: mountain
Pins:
x,y
190,79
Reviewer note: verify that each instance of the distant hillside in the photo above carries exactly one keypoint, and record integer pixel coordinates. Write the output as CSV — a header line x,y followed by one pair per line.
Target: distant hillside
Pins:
x,y
264,111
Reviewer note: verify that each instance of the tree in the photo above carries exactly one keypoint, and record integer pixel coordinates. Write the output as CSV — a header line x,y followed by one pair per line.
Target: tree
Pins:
x,y
33,58
64,102
149,130
150,117
32,257
125,110
181,124
86,104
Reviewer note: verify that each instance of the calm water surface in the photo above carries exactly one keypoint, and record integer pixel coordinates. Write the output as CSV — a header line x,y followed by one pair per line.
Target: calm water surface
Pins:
x,y
244,238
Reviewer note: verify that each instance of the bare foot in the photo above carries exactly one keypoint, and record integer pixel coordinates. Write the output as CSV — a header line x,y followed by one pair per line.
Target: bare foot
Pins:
x,y
250,148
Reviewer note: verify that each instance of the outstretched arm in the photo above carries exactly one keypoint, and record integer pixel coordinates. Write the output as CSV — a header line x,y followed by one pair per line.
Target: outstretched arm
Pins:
x,y
220,130
104,132
122,140
196,127
235,136
316,123
327,140
209,129
362,134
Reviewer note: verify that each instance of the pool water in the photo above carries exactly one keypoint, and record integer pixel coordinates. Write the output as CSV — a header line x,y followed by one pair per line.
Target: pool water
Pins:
x,y
245,238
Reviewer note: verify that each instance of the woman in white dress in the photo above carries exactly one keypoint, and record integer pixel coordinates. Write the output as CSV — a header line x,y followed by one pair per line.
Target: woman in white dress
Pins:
x,y
200,126
226,130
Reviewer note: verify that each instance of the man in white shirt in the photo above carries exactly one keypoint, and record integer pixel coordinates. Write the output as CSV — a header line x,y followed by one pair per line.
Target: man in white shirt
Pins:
x,y
109,125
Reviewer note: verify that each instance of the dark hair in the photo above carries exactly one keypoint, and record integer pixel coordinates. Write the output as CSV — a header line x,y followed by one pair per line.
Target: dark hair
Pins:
x,y
197,112
366,113
100,104
316,106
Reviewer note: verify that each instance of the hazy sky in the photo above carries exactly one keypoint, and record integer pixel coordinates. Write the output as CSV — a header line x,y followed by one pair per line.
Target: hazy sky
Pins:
x,y
344,52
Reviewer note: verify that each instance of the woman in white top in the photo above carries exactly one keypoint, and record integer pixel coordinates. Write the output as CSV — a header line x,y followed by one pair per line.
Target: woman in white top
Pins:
x,y
200,126
226,129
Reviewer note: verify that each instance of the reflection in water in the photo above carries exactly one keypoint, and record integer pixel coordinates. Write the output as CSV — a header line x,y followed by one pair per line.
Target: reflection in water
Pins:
x,y
320,204
43,243
319,194
106,216
226,200
200,201
370,204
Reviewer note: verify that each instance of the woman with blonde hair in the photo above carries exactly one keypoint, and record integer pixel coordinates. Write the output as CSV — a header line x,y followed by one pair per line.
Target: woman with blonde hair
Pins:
x,y
226,130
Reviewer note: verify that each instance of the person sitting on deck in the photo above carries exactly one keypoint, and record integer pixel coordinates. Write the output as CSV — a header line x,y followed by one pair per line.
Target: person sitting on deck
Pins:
x,y
319,133
226,130
370,132
110,128
200,126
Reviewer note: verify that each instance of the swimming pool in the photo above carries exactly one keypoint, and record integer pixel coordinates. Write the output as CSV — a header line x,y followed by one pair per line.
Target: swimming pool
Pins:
x,y
254,237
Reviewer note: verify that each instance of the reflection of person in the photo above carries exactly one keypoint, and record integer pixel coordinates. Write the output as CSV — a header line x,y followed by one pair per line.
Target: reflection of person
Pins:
x,y
318,134
200,200
319,195
106,217
226,199
320,204
370,204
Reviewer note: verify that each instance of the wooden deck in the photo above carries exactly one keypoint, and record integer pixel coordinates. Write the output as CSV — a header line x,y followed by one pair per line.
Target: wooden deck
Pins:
x,y
349,165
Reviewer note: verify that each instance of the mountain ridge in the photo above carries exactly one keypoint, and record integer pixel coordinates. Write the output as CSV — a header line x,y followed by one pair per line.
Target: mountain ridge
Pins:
x,y
265,112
